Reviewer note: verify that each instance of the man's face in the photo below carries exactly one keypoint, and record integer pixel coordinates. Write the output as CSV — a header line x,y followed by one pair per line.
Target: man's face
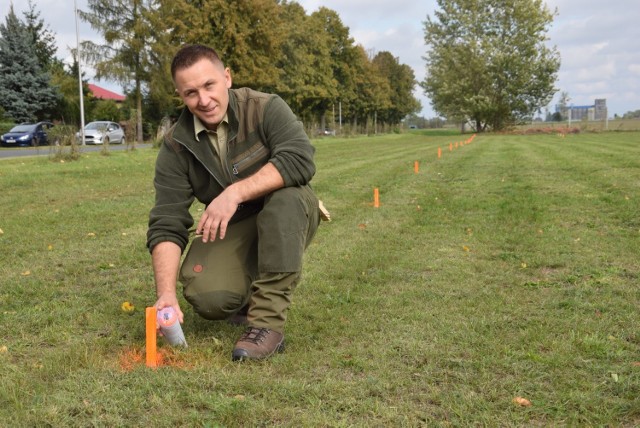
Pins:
x,y
203,88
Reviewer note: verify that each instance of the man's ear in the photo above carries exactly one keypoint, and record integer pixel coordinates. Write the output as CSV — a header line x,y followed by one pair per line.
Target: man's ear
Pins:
x,y
227,75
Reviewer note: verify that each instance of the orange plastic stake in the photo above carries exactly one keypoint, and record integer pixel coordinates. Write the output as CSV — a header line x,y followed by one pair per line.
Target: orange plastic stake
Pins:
x,y
376,198
450,146
150,317
439,152
416,167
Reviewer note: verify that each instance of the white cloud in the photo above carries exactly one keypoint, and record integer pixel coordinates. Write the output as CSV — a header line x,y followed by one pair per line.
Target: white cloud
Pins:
x,y
634,68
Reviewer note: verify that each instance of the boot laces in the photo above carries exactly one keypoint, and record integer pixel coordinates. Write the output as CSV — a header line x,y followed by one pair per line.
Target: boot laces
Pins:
x,y
254,335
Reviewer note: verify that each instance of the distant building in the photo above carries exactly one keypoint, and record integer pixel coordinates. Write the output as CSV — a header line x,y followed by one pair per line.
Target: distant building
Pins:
x,y
105,94
600,109
597,111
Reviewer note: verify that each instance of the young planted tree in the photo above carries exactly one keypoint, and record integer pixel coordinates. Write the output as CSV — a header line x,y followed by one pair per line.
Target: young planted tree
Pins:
x,y
27,95
488,61
563,105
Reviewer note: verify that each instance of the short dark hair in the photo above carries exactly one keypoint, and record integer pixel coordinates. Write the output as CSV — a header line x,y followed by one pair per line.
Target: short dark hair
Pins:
x,y
188,55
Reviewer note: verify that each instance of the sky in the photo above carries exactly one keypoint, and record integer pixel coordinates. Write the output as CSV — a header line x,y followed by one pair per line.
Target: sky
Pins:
x,y
597,41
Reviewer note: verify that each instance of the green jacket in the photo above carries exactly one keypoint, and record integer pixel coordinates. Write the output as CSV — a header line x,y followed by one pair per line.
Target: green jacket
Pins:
x,y
262,128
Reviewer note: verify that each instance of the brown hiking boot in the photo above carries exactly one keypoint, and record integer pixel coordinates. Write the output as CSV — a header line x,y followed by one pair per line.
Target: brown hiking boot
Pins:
x,y
257,344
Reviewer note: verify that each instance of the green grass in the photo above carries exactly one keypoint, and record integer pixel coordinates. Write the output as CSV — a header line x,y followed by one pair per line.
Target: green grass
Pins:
x,y
509,267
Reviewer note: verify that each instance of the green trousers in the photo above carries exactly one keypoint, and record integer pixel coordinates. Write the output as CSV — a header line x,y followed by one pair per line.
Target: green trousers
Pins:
x,y
258,263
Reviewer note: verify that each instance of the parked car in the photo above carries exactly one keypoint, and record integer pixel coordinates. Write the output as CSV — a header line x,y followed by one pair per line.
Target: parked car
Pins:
x,y
27,134
326,131
102,132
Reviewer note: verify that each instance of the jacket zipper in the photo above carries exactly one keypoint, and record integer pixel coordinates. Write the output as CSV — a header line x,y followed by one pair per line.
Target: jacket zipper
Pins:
x,y
202,163
250,160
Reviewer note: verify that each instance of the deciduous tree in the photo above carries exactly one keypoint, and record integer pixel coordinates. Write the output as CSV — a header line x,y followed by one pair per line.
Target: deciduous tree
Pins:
x,y
306,79
373,92
65,79
402,82
247,35
343,57
124,55
488,60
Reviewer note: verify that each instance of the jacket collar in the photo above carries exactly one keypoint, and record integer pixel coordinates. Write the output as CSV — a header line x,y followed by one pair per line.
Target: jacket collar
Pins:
x,y
232,116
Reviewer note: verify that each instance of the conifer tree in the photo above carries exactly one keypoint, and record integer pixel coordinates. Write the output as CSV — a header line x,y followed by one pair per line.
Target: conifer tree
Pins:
x,y
42,38
26,92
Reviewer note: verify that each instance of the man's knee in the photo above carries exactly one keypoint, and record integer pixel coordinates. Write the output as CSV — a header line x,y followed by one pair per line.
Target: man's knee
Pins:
x,y
290,209
215,305
288,201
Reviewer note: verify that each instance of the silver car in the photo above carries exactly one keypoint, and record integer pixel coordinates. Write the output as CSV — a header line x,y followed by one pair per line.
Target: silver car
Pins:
x,y
102,132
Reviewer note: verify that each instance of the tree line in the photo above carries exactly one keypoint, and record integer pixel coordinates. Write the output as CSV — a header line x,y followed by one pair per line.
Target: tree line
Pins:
x,y
310,60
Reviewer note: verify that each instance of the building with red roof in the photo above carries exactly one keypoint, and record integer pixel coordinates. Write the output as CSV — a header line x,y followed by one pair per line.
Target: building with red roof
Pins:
x,y
105,94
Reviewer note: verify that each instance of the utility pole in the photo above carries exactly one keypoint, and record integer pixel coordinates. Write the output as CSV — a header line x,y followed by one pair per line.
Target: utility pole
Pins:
x,y
75,8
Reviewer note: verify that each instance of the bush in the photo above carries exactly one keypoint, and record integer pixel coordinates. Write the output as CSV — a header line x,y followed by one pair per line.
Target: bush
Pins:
x,y
64,143
6,127
107,110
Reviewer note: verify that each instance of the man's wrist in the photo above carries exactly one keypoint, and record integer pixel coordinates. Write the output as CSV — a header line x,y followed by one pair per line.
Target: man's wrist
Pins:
x,y
165,291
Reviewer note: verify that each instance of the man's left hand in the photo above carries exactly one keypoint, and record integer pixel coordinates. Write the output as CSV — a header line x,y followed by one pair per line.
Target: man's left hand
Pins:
x,y
216,216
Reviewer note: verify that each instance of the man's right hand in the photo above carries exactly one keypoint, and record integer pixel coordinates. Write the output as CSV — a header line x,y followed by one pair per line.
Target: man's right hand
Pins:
x,y
169,299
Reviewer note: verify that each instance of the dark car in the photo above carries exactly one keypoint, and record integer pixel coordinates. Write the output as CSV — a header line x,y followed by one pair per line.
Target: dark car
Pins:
x,y
27,134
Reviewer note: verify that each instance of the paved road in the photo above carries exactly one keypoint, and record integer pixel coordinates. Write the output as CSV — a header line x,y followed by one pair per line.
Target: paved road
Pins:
x,y
7,152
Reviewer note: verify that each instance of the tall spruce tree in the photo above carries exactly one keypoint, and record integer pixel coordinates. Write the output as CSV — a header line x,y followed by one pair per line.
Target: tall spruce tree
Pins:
x,y
27,95
488,61
42,38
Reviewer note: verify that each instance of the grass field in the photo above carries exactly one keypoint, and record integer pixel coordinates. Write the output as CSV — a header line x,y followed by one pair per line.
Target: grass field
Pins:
x,y
508,268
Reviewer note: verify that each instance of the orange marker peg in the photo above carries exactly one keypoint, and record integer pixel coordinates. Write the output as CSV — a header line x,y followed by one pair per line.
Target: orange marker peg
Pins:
x,y
150,326
439,152
450,146
376,198
416,167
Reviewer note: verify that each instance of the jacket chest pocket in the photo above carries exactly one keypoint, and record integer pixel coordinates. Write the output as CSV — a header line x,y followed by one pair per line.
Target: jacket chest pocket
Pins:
x,y
245,163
